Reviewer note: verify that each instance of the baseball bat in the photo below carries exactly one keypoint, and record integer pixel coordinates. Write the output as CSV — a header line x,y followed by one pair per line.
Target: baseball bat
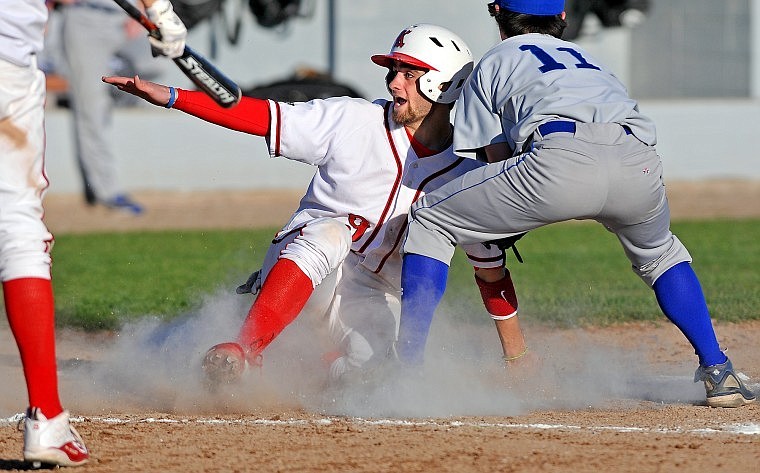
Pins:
x,y
197,68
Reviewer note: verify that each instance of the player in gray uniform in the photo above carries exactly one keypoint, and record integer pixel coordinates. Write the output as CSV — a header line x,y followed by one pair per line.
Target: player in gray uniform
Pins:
x,y
95,33
577,148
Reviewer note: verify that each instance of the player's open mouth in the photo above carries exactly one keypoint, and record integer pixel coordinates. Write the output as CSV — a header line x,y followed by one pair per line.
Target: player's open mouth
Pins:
x,y
399,100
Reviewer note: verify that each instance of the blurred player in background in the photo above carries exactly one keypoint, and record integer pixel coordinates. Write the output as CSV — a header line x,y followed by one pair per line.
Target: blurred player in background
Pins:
x,y
578,148
339,251
96,36
25,242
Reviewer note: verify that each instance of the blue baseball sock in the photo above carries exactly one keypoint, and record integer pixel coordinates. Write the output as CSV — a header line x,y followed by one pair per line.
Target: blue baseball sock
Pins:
x,y
681,299
423,282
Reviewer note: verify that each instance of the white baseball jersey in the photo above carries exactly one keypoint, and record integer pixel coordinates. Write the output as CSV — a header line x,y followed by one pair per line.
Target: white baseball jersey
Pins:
x,y
507,97
367,174
22,29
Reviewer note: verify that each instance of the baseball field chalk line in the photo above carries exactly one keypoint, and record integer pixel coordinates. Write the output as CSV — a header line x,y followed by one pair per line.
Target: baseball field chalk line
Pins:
x,y
733,429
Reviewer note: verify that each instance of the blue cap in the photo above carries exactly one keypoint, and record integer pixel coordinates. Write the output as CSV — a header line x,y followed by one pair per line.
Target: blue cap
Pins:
x,y
533,7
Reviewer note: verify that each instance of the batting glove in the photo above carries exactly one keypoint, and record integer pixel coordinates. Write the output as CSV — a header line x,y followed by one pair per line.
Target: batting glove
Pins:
x,y
173,31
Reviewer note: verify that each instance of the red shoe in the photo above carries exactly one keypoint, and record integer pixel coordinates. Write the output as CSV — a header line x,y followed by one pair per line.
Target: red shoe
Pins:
x,y
225,363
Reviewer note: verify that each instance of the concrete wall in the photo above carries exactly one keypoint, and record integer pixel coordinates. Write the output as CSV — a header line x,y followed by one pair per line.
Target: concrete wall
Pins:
x,y
692,48
160,149
684,48
698,138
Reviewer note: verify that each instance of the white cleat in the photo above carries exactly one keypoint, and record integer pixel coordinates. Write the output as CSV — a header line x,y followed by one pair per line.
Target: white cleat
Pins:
x,y
52,441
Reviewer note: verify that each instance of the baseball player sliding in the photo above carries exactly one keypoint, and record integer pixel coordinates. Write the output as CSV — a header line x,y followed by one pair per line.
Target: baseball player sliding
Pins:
x,y
339,251
25,241
577,148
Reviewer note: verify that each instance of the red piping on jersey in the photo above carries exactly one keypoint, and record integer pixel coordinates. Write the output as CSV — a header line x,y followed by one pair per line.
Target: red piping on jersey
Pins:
x,y
279,130
416,196
393,192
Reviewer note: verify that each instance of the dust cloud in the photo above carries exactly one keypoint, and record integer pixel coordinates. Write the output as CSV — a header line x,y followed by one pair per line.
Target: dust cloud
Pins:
x,y
153,366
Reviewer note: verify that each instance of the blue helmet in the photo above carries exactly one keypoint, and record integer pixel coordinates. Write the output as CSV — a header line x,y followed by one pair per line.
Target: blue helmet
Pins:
x,y
533,7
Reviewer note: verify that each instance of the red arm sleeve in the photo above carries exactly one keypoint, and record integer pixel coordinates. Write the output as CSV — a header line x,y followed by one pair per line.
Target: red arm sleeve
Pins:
x,y
249,115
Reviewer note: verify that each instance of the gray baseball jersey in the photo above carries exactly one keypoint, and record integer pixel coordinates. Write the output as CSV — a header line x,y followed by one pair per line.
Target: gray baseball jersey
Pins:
x,y
529,79
581,149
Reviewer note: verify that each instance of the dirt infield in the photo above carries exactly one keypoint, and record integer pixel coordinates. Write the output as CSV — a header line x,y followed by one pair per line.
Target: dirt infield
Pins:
x,y
616,399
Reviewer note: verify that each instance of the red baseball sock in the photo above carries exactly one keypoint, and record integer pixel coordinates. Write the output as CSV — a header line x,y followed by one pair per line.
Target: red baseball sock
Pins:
x,y
30,309
283,295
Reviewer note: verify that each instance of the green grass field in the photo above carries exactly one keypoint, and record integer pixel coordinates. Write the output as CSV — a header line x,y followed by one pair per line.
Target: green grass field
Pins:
x,y
574,274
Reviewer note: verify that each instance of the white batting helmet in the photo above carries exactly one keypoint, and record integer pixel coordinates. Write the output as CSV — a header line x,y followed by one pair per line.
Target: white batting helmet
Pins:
x,y
444,54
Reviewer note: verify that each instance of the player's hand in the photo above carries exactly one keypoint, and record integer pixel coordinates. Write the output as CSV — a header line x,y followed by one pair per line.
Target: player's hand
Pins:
x,y
156,94
524,376
173,31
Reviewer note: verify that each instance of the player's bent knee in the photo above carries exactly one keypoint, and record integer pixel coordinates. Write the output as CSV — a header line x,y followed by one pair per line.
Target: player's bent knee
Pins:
x,y
320,248
673,253
422,241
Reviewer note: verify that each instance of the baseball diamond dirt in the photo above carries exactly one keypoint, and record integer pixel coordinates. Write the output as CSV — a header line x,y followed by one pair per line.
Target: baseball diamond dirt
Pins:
x,y
618,399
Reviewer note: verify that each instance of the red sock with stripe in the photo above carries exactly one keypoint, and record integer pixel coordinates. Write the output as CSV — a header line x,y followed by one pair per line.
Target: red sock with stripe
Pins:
x,y
30,308
283,295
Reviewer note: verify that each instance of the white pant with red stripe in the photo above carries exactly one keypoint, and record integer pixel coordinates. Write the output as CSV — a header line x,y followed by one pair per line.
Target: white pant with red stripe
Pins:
x,y
358,309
